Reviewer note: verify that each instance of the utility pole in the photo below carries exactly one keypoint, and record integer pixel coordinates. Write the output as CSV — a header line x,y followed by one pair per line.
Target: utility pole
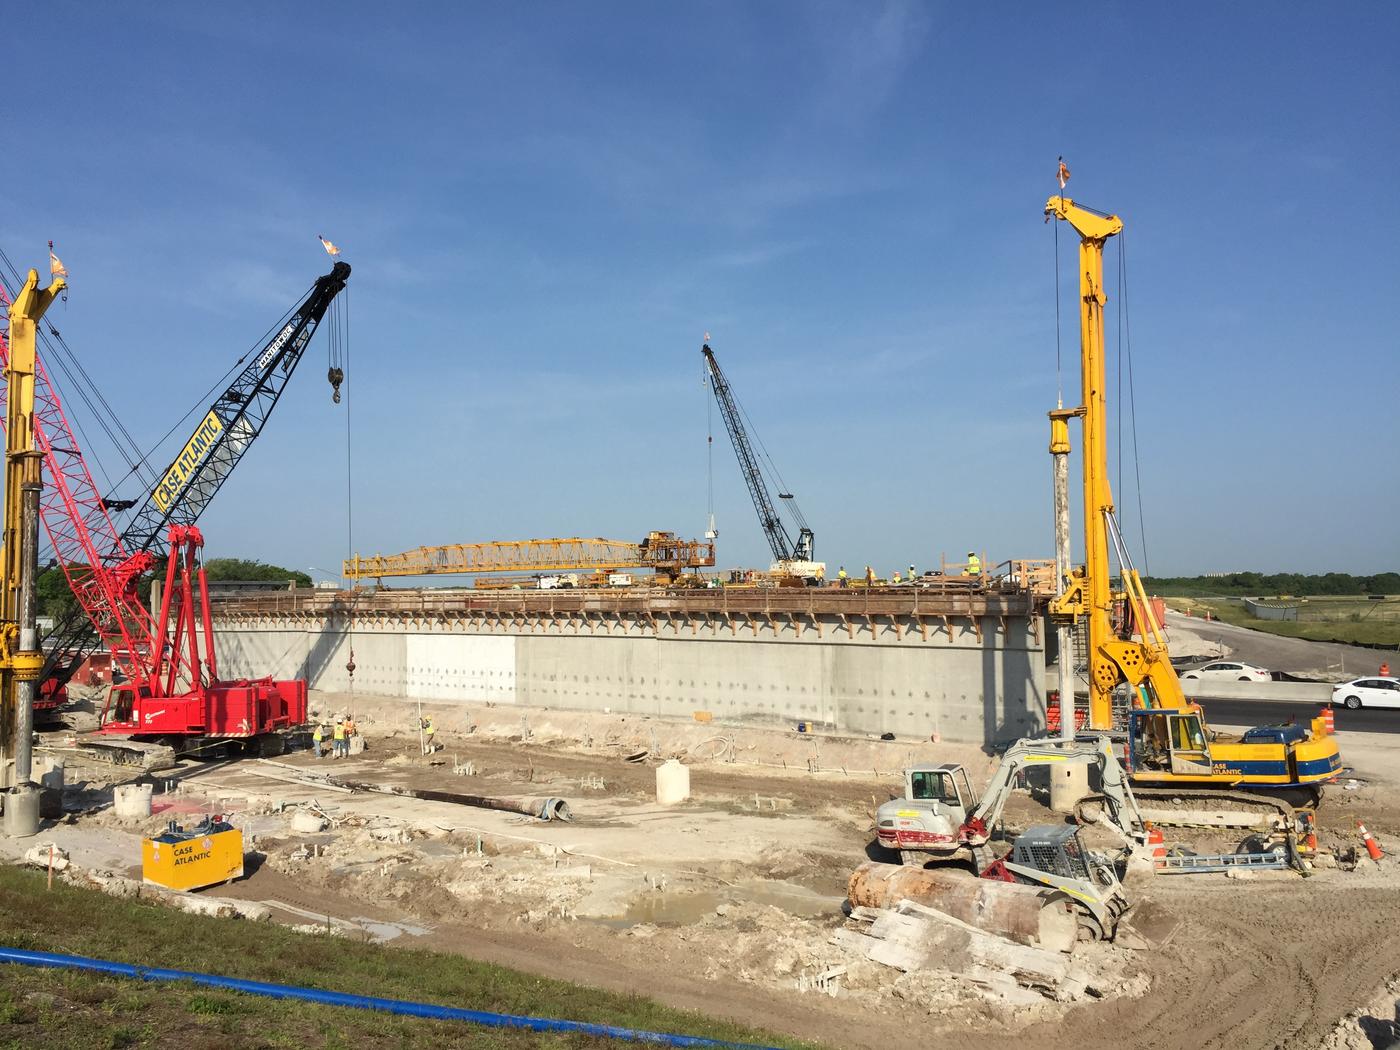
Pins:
x,y
21,659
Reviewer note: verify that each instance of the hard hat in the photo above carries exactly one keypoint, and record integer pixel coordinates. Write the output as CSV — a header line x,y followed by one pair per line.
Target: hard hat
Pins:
x,y
972,554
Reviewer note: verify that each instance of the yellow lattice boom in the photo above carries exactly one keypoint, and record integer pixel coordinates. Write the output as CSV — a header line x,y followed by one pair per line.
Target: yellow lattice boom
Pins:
x,y
663,552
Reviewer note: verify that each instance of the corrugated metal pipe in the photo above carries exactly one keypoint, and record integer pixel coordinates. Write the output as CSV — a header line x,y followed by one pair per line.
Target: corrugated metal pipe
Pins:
x,y
361,1002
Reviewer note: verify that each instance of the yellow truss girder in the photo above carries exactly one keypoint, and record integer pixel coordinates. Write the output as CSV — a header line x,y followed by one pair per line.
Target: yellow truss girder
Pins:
x,y
661,551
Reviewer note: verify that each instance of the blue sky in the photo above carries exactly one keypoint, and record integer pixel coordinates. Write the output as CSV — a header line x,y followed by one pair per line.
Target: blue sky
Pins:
x,y
547,206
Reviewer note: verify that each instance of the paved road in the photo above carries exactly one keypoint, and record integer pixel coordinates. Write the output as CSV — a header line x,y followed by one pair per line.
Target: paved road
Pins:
x,y
1230,712
1296,655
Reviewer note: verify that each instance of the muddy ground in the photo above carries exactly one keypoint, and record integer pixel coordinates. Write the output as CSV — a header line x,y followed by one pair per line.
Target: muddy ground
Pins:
x,y
727,903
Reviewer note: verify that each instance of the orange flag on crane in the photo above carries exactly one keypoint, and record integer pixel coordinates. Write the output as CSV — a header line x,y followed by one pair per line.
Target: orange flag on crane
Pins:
x,y
56,268
331,249
1062,174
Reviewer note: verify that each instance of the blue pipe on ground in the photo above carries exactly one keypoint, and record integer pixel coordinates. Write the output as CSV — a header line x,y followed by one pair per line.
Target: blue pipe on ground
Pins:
x,y
362,1002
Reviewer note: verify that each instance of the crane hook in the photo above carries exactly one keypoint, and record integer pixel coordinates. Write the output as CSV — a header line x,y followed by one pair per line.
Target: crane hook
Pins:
x,y
336,376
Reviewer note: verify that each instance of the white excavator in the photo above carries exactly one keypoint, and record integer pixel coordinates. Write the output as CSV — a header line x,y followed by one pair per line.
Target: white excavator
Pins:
x,y
940,818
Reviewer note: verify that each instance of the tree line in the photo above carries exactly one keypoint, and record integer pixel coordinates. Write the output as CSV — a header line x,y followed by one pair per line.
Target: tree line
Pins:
x,y
56,599
1258,584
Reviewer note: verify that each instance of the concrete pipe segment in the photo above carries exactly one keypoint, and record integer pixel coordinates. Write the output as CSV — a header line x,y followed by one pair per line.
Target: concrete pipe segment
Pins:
x,y
1024,914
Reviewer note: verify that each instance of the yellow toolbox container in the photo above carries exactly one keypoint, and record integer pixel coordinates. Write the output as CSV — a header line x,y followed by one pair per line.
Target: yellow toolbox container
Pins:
x,y
205,855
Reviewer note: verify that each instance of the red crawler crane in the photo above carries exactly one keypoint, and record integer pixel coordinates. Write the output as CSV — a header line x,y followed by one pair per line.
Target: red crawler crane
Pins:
x,y
175,691
171,694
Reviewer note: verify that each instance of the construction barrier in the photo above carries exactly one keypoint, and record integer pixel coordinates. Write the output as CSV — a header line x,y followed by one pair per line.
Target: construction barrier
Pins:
x,y
362,1002
1158,842
1329,719
1052,717
1372,846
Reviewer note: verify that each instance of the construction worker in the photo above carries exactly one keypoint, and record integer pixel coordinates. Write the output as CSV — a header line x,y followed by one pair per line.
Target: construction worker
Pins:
x,y
428,730
869,576
338,738
1385,670
912,573
896,578
317,735
974,565
842,580
821,575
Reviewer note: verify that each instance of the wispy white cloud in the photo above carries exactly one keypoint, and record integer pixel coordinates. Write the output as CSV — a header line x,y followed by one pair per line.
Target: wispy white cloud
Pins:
x,y
868,54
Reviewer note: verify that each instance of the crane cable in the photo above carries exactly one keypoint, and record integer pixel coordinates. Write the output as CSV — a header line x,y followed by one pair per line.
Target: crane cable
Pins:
x,y
1125,352
340,356
72,370
1059,374
706,393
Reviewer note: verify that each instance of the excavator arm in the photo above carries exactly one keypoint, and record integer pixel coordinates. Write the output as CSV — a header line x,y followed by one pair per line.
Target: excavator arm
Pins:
x,y
1026,754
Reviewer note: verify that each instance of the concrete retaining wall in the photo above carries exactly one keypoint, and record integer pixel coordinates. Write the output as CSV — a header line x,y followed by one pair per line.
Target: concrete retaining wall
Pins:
x,y
872,678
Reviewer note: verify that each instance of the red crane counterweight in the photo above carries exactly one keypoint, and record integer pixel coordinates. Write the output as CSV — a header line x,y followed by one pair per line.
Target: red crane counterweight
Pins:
x,y
175,690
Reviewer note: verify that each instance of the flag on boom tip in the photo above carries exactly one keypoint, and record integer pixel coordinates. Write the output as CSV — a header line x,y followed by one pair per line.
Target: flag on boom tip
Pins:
x,y
1062,174
56,268
331,249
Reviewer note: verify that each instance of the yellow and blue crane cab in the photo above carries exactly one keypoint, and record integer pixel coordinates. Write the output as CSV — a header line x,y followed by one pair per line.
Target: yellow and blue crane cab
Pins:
x,y
1174,745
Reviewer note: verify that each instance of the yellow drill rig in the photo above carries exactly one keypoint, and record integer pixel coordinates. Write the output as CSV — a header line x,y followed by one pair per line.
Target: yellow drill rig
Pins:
x,y
1171,753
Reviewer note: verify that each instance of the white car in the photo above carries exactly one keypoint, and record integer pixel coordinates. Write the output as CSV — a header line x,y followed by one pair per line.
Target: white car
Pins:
x,y
1233,671
1368,692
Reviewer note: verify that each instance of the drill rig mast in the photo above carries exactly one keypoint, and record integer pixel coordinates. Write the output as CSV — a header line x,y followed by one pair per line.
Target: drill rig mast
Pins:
x,y
20,656
1170,744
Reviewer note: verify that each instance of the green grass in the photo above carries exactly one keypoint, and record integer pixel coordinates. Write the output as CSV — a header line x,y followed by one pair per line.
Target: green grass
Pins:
x,y
57,1009
1351,625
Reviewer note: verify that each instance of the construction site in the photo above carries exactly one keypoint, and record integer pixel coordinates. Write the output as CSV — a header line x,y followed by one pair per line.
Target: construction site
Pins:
x,y
484,782
845,809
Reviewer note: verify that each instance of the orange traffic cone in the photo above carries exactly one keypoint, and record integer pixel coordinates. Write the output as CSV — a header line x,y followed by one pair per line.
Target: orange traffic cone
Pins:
x,y
1372,847
1329,719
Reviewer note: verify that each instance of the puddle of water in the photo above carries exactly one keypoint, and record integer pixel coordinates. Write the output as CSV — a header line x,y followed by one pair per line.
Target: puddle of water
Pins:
x,y
683,909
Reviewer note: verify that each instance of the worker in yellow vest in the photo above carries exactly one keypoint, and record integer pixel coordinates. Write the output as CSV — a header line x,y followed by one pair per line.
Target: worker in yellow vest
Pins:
x,y
841,578
338,738
896,581
974,565
317,735
428,730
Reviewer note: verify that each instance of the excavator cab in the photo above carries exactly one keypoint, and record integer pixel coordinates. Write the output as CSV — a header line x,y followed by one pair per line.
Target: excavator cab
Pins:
x,y
940,784
1168,741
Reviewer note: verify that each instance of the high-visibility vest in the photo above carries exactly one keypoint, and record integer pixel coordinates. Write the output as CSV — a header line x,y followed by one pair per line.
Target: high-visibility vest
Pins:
x,y
429,728
339,732
317,735
842,574
974,565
